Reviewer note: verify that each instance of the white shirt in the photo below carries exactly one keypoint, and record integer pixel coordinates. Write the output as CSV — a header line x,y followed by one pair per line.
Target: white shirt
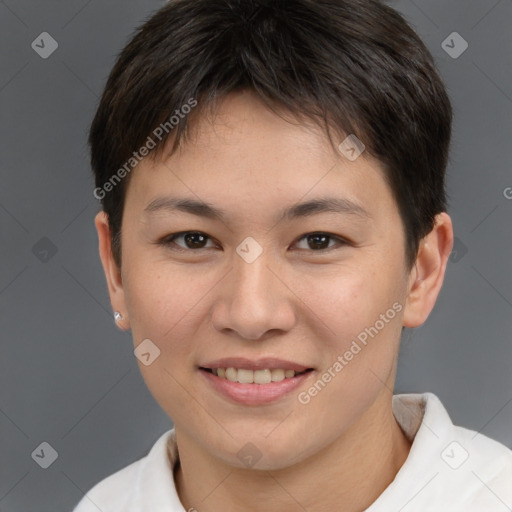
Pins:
x,y
448,469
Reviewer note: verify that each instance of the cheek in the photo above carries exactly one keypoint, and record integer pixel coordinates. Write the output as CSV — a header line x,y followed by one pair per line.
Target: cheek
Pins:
x,y
165,307
349,300
159,299
361,310
357,365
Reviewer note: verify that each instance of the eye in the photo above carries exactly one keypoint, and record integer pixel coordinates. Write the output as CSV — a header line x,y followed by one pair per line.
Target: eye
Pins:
x,y
191,240
320,241
196,240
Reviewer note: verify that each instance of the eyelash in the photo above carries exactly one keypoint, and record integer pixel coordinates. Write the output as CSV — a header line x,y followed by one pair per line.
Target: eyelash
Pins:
x,y
168,241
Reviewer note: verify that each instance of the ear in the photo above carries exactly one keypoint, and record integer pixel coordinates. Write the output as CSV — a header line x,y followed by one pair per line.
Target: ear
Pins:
x,y
111,269
427,275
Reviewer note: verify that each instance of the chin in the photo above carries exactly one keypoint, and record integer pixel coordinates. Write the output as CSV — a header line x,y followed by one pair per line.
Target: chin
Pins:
x,y
264,452
262,460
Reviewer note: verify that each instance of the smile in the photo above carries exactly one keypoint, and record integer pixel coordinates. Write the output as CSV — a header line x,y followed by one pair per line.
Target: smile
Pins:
x,y
246,376
253,383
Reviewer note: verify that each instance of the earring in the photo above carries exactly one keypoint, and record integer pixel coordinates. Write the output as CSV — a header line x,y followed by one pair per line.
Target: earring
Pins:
x,y
118,316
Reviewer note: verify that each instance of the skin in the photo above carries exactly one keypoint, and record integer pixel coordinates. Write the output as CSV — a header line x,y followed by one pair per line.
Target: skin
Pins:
x,y
296,302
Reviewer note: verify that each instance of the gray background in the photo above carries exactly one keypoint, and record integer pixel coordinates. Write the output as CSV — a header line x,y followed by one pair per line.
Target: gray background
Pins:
x,y
69,377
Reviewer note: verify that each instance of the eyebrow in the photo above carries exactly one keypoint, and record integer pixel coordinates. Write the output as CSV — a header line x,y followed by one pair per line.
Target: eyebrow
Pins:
x,y
300,210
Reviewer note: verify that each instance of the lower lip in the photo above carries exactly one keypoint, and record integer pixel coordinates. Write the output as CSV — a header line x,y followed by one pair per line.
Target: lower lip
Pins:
x,y
255,394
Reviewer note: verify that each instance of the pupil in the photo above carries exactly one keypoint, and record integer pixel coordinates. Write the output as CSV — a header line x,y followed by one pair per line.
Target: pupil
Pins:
x,y
322,240
189,240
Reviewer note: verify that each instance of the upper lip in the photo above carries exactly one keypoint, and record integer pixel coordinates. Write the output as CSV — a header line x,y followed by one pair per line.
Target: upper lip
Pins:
x,y
269,363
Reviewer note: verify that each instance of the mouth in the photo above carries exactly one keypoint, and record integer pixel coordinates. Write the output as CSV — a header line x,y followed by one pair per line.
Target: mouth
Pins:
x,y
259,376
254,382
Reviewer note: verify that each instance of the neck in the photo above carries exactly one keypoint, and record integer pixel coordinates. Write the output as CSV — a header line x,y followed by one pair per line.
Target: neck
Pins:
x,y
354,470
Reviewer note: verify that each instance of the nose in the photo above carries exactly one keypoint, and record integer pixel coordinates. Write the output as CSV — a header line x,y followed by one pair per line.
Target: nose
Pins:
x,y
254,301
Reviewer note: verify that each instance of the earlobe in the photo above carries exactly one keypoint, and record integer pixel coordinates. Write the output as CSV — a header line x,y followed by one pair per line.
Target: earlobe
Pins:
x,y
427,276
111,269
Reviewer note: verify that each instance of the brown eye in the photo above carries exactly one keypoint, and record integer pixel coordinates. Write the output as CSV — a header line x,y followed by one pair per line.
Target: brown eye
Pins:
x,y
191,240
320,241
195,240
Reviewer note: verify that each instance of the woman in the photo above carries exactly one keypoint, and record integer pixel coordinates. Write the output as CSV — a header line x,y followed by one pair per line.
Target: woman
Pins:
x,y
272,175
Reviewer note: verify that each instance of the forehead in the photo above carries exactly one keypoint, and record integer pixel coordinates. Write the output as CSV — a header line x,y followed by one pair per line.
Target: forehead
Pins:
x,y
248,155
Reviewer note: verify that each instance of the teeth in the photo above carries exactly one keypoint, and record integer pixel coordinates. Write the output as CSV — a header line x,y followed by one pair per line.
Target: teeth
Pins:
x,y
231,374
261,376
253,377
245,376
278,375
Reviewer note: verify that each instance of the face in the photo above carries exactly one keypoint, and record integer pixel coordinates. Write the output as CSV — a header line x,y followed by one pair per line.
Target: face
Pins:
x,y
259,281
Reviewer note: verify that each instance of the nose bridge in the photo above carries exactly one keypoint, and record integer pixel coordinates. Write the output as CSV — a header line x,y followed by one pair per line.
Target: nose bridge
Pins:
x,y
256,300
252,284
